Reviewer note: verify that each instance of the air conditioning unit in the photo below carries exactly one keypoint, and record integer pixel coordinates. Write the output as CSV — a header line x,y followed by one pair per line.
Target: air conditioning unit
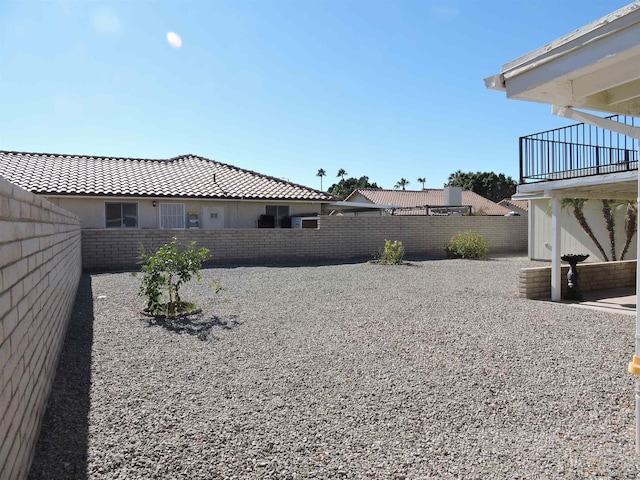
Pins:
x,y
304,222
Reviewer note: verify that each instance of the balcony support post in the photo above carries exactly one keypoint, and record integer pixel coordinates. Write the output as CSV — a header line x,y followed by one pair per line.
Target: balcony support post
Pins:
x,y
634,366
556,267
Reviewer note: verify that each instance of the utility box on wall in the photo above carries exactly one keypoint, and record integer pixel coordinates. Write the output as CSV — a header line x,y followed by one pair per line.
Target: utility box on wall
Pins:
x,y
304,222
212,217
193,220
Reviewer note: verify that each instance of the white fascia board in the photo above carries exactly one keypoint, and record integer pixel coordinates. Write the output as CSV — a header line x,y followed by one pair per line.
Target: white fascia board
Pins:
x,y
549,188
607,30
615,21
572,64
528,196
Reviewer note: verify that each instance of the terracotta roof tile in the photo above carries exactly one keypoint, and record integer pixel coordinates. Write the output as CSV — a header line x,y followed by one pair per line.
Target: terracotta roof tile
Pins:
x,y
184,176
430,196
520,204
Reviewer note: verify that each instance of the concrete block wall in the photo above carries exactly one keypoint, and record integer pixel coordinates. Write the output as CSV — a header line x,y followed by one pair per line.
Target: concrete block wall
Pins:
x,y
536,282
40,267
336,238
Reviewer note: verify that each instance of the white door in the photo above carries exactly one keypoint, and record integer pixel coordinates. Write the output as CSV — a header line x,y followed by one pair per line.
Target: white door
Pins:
x,y
212,217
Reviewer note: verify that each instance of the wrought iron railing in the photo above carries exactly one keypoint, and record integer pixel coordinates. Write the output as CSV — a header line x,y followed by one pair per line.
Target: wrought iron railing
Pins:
x,y
577,151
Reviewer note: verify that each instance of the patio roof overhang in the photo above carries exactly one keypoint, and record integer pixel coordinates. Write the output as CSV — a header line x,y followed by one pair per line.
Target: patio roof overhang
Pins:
x,y
596,67
620,186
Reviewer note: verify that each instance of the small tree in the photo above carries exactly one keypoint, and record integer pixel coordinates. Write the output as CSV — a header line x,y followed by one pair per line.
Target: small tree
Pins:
x,y
392,253
165,272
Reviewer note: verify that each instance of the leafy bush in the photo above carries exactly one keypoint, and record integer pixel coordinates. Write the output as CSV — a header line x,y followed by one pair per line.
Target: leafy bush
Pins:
x,y
467,244
165,272
392,253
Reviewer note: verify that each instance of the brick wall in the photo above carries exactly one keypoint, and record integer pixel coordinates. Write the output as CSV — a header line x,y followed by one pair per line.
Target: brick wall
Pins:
x,y
40,267
336,238
536,282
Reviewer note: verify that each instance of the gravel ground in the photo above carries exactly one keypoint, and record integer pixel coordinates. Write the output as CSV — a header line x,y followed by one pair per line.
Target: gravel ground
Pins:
x,y
430,370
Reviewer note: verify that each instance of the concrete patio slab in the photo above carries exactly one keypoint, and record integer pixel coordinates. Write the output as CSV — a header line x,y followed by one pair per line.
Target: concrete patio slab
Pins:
x,y
621,300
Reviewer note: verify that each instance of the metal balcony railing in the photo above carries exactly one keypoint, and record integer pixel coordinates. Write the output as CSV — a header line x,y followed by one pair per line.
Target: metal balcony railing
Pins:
x,y
578,150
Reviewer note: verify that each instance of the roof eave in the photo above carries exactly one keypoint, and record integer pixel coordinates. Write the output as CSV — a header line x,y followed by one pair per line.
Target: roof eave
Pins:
x,y
596,67
592,32
177,197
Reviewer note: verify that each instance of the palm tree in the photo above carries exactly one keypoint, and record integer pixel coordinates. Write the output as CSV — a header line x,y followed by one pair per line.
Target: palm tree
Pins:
x,y
577,204
422,180
403,182
609,222
321,173
341,173
630,225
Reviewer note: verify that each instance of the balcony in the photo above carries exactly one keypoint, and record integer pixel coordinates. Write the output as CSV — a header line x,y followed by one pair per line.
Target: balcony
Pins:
x,y
576,151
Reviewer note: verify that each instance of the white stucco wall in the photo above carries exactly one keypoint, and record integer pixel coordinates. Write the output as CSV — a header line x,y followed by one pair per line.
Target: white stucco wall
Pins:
x,y
237,214
573,237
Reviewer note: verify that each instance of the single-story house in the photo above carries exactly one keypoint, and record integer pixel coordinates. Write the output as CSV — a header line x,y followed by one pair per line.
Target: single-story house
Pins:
x,y
188,191
428,201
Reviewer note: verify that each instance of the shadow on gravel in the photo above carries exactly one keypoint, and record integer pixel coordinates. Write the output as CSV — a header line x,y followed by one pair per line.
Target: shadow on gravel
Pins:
x,y
62,449
192,325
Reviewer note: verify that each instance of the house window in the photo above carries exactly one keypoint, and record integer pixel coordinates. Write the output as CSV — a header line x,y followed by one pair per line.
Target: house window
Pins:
x,y
278,212
172,215
121,215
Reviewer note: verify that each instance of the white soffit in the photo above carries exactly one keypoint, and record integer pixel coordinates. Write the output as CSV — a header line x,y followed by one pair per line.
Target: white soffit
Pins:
x,y
596,67
619,185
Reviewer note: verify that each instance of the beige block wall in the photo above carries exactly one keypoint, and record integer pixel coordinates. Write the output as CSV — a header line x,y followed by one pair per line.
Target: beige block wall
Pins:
x,y
335,238
536,282
40,267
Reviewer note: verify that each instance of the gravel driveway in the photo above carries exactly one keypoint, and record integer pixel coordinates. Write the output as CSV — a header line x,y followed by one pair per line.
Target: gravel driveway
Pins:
x,y
432,370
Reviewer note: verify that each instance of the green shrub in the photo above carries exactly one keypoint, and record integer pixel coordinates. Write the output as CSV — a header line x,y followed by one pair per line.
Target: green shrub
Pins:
x,y
467,244
164,272
392,253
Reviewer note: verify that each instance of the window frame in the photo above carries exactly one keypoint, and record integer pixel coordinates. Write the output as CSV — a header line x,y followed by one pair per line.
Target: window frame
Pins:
x,y
162,216
122,215
277,217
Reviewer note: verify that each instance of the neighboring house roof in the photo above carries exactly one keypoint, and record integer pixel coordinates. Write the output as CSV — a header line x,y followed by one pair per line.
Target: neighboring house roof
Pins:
x,y
183,176
420,198
522,205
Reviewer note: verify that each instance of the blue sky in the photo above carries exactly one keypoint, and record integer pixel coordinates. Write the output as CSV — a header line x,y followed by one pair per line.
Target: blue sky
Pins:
x,y
387,89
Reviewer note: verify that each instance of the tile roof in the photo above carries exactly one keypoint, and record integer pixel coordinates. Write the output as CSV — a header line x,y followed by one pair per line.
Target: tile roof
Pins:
x,y
519,204
183,176
429,196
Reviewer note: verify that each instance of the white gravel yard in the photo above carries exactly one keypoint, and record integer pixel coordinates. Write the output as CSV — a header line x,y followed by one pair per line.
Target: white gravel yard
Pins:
x,y
433,370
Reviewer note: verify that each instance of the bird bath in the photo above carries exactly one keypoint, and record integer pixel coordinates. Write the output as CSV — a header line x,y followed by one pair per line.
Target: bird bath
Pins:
x,y
573,289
